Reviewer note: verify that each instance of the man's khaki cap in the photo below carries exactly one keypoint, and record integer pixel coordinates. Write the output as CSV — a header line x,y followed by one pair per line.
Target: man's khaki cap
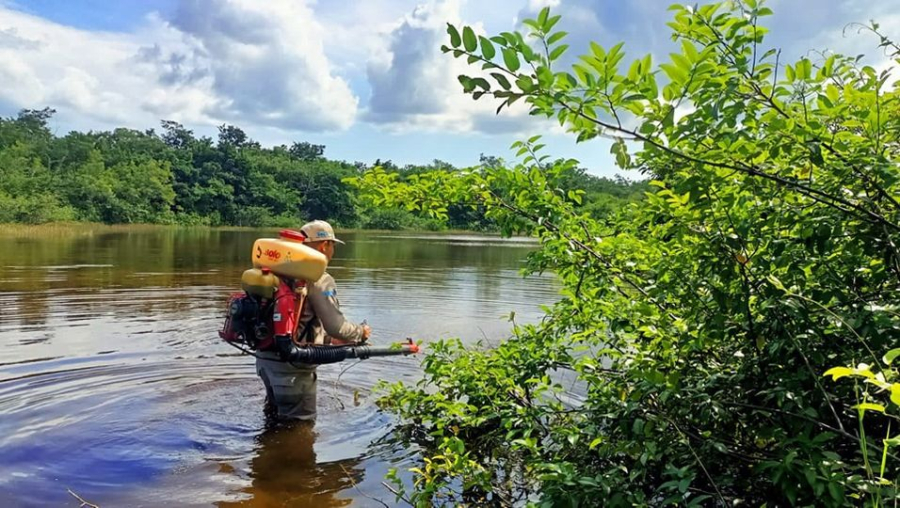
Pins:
x,y
317,231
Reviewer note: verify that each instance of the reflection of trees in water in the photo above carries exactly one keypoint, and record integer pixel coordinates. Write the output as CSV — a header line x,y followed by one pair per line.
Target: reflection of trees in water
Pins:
x,y
175,257
59,276
381,250
284,471
432,263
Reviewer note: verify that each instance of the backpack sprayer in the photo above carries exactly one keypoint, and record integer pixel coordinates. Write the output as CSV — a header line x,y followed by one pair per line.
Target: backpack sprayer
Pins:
x,y
249,315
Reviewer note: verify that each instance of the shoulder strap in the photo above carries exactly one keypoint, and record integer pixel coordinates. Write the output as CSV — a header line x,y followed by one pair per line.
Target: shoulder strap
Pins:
x,y
303,335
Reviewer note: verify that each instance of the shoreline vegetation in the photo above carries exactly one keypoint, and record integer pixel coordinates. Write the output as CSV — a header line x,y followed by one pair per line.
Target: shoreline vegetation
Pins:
x,y
171,176
89,228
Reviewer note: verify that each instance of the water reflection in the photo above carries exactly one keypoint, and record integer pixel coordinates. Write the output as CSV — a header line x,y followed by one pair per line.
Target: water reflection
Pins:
x,y
285,471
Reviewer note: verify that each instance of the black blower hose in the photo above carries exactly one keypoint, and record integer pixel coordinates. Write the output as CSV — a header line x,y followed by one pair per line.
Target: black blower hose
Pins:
x,y
319,355
289,352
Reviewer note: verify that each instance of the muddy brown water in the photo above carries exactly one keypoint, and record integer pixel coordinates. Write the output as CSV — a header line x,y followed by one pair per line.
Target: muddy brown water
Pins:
x,y
115,385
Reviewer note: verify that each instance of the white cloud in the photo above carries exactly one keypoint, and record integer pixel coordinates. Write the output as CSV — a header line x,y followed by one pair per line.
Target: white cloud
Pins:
x,y
9,38
280,66
415,87
65,68
239,61
267,63
537,5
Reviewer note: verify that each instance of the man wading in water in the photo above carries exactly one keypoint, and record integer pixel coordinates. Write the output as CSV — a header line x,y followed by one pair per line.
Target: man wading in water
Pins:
x,y
291,387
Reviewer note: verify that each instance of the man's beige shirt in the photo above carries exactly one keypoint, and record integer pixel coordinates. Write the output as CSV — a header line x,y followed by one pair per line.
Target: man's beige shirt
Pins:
x,y
323,313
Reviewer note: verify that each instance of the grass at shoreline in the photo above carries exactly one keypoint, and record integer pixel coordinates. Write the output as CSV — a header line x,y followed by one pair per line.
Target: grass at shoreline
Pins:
x,y
90,228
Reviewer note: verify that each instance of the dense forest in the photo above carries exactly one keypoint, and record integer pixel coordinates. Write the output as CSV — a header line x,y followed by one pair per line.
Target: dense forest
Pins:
x,y
174,177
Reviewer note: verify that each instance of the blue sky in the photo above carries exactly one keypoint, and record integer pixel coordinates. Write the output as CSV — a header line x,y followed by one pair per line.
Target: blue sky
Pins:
x,y
366,79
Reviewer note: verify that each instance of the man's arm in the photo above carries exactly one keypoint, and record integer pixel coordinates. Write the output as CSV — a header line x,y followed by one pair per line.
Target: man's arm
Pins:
x,y
323,298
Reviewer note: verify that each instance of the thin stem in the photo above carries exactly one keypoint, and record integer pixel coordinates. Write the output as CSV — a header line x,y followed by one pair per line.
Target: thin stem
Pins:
x,y
697,457
862,341
862,434
398,494
353,482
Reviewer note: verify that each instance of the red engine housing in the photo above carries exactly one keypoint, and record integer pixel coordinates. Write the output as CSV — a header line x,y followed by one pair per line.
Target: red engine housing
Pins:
x,y
228,331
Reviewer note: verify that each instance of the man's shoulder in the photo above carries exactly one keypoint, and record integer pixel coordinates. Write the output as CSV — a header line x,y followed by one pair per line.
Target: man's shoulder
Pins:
x,y
325,284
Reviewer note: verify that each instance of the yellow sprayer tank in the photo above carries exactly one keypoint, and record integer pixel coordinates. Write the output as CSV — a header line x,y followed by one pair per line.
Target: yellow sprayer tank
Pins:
x,y
260,282
288,257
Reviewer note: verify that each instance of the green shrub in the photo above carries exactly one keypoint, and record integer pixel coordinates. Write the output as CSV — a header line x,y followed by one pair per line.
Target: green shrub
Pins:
x,y
698,321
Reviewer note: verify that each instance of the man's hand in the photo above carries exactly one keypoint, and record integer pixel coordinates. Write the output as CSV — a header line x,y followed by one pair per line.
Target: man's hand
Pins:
x,y
366,333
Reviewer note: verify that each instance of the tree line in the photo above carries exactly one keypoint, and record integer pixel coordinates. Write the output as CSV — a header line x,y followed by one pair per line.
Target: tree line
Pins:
x,y
172,176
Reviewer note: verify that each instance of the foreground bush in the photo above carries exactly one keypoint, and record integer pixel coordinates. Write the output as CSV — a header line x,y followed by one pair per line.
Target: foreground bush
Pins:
x,y
699,322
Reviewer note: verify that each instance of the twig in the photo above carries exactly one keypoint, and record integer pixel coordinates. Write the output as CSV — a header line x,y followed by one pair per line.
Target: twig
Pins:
x,y
337,383
399,495
84,504
807,418
355,486
687,441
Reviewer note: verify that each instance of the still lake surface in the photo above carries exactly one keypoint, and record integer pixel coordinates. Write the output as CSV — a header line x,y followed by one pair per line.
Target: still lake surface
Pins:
x,y
114,383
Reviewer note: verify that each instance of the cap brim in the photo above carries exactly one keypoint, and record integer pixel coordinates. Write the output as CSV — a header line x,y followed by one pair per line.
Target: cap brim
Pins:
x,y
339,241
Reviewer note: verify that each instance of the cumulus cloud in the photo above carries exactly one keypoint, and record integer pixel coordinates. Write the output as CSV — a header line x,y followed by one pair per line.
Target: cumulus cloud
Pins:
x,y
266,62
66,69
288,65
9,38
414,85
235,61
835,30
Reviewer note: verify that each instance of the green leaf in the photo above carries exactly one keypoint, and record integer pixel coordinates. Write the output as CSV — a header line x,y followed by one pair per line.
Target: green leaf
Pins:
x,y
895,393
501,80
838,372
669,120
677,74
558,51
553,39
511,59
469,40
891,355
551,22
778,285
525,83
804,69
633,71
789,73
481,82
618,148
487,48
681,62
869,406
542,16
533,24
828,66
455,40
689,50
499,40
